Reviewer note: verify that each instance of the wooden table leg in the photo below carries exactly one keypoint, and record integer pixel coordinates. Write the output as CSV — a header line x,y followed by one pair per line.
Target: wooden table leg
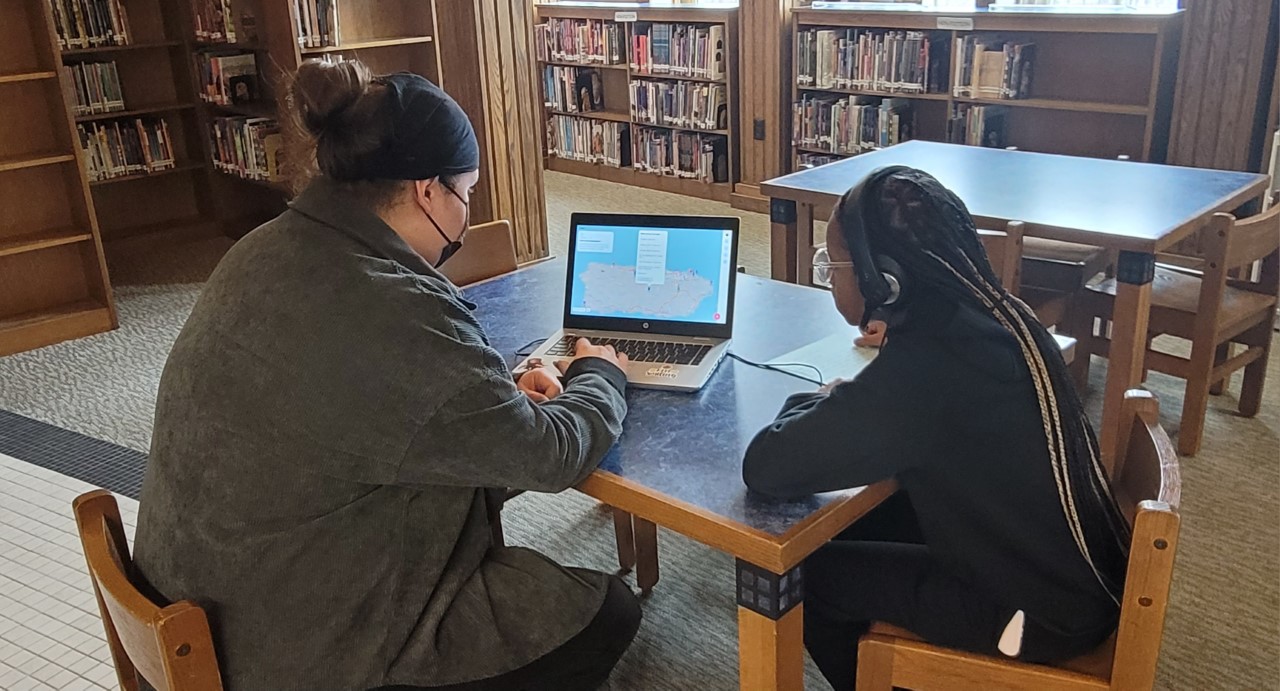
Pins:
x,y
804,244
1131,316
646,536
782,214
770,629
626,539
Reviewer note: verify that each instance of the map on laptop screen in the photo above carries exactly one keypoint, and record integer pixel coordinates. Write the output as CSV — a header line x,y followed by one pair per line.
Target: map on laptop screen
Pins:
x,y
663,274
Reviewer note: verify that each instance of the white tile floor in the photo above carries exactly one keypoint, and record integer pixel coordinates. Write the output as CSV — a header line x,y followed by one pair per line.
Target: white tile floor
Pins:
x,y
50,633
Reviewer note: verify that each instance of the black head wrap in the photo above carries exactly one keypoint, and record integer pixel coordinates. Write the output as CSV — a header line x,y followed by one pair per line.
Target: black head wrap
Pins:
x,y
430,134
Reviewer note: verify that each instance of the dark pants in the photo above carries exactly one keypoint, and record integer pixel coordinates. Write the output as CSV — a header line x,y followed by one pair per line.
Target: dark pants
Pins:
x,y
880,570
583,663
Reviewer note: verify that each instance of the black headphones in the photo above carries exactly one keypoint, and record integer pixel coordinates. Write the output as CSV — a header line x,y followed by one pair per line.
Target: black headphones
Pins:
x,y
880,278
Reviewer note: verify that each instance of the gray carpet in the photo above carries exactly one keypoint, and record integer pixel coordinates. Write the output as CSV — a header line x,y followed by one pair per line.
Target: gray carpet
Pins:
x,y
1223,629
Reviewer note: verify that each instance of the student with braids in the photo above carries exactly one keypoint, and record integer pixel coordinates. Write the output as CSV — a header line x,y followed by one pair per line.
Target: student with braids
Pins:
x,y
1004,537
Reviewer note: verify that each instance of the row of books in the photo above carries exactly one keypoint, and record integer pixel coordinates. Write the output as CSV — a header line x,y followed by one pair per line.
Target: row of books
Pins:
x,y
227,79
590,141
246,147
318,23
690,155
977,125
588,41
119,148
572,89
94,87
993,68
872,60
215,21
693,105
680,50
90,23
805,159
850,125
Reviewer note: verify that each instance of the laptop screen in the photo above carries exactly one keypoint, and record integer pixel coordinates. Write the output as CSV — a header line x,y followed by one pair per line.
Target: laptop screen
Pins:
x,y
652,270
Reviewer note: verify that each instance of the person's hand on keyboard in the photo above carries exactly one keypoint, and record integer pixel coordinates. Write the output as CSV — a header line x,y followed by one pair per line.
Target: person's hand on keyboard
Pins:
x,y
584,349
540,382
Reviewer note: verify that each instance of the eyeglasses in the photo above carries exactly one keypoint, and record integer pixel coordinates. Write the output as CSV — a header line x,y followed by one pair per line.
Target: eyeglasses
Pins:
x,y
822,266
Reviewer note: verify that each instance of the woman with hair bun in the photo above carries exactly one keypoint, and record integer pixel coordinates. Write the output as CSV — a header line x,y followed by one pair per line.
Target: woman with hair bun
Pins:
x,y
333,429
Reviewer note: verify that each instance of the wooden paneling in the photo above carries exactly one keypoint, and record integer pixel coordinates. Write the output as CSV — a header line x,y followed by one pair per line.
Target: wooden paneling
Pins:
x,y
1226,50
765,92
487,65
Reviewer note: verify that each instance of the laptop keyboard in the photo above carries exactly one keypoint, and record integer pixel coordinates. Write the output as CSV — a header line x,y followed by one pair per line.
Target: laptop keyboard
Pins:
x,y
640,351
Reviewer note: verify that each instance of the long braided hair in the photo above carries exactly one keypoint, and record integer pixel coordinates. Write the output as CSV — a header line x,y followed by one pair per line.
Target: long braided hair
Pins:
x,y
909,217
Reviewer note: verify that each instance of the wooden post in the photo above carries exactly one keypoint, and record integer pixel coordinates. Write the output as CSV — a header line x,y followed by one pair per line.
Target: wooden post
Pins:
x,y
783,245
1131,316
763,96
770,629
488,66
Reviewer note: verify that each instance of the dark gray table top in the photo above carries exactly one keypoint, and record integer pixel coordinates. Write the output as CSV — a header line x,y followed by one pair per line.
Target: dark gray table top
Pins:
x,y
1142,207
688,446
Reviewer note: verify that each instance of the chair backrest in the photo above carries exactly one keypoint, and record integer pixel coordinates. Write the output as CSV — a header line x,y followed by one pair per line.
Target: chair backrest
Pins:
x,y
1004,250
488,251
171,647
1232,247
1148,487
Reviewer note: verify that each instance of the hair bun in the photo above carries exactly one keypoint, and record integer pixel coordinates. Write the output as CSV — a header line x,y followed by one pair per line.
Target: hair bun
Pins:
x,y
324,91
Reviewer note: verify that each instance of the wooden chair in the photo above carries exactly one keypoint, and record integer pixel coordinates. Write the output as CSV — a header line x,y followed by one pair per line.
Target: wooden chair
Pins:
x,y
1148,488
168,646
1213,310
1005,252
488,251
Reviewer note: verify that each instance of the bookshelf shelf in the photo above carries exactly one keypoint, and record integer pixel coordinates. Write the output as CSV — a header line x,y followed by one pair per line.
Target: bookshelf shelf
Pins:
x,y
71,320
31,242
181,167
715,191
226,45
823,152
372,43
639,123
268,184
595,115
98,50
149,110
1097,88
41,159
596,65
261,109
676,78
1060,104
26,77
877,94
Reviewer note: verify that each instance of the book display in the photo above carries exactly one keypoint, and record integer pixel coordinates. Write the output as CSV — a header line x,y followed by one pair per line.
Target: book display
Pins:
x,y
643,97
866,76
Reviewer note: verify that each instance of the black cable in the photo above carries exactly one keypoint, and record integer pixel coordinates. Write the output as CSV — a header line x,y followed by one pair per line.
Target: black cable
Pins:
x,y
527,349
778,367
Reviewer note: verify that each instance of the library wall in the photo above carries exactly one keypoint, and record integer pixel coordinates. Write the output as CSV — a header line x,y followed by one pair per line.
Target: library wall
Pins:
x,y
1228,61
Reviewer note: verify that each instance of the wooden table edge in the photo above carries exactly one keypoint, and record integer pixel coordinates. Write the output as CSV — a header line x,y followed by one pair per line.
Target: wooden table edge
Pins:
x,y
778,553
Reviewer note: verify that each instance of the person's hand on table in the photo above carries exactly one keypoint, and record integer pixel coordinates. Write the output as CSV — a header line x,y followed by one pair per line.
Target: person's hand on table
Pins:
x,y
585,349
872,336
826,388
540,382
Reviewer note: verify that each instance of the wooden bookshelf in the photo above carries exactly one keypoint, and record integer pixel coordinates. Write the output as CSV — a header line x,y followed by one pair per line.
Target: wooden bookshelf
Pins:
x,y
394,36
1101,85
53,277
617,79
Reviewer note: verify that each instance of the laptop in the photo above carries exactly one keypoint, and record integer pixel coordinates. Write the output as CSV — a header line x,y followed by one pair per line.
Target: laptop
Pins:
x,y
658,288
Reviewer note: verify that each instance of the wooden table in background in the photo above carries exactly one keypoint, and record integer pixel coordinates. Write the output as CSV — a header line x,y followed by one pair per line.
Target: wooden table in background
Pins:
x,y
679,461
1137,209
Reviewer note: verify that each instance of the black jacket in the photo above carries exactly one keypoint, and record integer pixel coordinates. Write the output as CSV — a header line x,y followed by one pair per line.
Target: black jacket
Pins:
x,y
949,409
